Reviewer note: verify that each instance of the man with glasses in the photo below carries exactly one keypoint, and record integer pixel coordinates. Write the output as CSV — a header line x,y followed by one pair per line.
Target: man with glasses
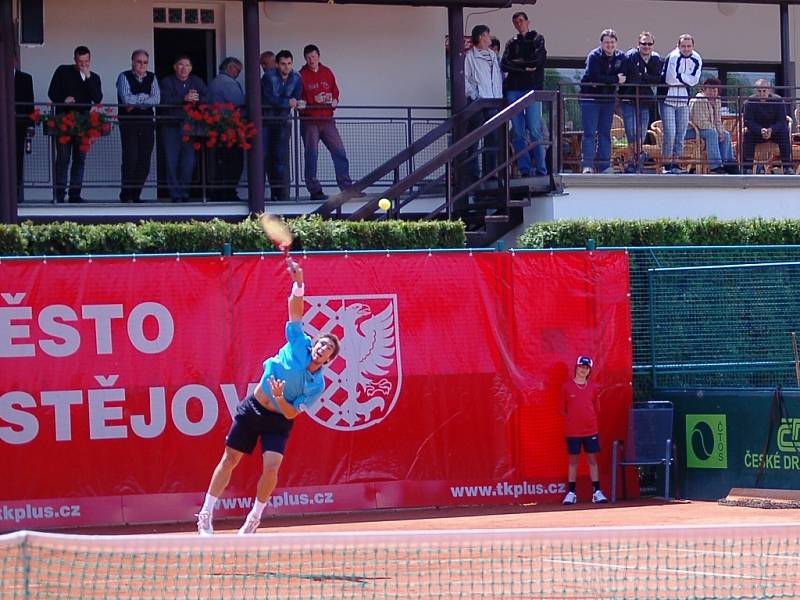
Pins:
x,y
765,121
637,97
523,61
137,94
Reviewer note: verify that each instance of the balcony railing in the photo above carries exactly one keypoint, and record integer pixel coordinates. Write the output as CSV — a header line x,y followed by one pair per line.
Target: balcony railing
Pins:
x,y
373,135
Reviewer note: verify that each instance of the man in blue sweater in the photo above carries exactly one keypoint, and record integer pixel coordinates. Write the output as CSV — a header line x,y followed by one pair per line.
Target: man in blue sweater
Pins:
x,y
281,91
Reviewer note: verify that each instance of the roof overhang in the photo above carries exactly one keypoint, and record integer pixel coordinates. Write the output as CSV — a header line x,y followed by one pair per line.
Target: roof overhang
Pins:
x,y
443,3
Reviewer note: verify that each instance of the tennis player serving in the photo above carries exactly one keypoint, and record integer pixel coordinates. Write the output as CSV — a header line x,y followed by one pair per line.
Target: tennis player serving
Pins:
x,y
292,382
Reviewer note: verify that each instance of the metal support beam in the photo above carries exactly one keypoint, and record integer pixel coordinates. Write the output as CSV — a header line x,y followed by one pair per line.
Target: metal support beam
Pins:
x,y
455,35
8,158
786,70
252,82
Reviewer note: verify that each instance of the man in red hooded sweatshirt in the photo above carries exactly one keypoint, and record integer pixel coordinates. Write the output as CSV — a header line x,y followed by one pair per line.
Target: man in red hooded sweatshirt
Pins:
x,y
321,96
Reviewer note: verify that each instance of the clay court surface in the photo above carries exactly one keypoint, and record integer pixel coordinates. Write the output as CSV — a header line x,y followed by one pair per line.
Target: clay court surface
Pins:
x,y
642,549
643,513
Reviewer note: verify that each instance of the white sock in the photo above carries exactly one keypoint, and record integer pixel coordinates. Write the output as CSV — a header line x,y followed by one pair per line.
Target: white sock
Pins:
x,y
208,504
258,508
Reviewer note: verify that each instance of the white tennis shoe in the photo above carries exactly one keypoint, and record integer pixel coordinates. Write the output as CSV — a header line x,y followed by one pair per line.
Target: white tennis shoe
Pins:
x,y
204,526
570,498
250,525
599,497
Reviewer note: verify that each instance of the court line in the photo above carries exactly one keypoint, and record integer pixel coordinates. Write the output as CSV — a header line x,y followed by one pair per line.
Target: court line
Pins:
x,y
656,570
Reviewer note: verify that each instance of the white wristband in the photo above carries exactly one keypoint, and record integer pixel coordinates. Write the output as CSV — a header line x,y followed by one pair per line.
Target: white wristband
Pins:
x,y
298,289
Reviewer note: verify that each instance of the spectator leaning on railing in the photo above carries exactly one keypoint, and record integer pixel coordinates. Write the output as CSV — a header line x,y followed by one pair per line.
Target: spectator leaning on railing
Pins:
x,y
605,69
226,164
523,62
765,121
137,94
321,95
281,91
179,89
682,70
705,111
637,100
73,84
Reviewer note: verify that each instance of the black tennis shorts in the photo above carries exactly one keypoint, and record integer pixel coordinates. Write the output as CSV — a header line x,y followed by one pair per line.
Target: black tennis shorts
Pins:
x,y
253,421
590,444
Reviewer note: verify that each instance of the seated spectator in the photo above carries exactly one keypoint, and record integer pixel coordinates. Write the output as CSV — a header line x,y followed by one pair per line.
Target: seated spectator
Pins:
x,y
482,80
765,121
605,69
179,88
705,111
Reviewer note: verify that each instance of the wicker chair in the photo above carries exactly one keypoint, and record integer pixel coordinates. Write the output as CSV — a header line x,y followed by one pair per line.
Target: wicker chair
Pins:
x,y
656,133
620,150
768,155
694,150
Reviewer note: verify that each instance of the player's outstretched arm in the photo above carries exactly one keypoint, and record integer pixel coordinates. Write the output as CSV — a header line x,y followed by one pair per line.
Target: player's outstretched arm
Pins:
x,y
296,304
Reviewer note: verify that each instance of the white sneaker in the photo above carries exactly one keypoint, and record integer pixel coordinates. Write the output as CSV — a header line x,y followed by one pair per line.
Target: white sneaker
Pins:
x,y
599,497
250,525
587,170
204,526
570,498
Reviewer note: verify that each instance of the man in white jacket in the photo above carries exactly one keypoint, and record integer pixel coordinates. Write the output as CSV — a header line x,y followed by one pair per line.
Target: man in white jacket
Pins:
x,y
682,70
483,79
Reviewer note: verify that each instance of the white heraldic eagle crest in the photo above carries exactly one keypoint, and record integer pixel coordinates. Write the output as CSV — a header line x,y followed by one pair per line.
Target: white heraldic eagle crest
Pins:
x,y
363,382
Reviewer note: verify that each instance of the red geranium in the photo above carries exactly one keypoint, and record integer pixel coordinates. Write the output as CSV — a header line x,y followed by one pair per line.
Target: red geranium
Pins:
x,y
219,125
87,128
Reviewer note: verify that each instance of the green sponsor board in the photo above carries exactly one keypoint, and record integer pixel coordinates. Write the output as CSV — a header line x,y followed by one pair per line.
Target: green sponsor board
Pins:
x,y
706,441
728,438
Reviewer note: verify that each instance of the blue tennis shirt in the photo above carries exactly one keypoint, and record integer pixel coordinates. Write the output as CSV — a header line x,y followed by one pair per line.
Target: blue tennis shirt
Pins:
x,y
290,364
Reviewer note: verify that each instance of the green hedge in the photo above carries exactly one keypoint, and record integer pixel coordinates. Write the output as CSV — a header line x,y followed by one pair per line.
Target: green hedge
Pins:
x,y
663,232
149,237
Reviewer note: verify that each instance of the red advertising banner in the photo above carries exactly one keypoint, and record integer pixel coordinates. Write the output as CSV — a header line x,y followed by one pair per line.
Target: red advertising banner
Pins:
x,y
118,379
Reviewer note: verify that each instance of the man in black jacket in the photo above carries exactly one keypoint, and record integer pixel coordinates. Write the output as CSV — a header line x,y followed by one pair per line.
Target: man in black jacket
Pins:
x,y
637,97
523,60
23,100
73,84
765,120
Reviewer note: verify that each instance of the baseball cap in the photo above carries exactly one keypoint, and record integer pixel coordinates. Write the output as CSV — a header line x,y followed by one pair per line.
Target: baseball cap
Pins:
x,y
584,360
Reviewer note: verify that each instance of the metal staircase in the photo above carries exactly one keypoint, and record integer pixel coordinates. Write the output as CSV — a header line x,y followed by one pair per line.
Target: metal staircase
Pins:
x,y
490,207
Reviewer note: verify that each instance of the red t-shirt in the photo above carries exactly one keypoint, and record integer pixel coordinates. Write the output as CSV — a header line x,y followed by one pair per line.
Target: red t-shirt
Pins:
x,y
320,82
579,405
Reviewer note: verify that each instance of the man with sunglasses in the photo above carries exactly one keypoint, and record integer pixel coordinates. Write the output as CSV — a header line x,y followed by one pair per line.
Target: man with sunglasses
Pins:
x,y
637,97
138,93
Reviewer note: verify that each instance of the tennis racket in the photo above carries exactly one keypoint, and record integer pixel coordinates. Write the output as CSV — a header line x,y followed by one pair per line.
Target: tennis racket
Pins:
x,y
277,231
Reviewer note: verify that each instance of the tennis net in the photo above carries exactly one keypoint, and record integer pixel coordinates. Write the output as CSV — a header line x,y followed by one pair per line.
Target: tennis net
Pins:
x,y
655,562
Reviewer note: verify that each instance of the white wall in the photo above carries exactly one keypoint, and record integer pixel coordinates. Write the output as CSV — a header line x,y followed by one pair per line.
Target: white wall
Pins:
x,y
395,55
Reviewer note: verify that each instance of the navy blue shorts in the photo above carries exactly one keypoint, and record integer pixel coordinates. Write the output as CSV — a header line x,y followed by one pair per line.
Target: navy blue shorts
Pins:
x,y
253,421
590,444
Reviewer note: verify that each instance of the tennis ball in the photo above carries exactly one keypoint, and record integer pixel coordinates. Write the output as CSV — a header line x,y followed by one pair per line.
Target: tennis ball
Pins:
x,y
385,203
